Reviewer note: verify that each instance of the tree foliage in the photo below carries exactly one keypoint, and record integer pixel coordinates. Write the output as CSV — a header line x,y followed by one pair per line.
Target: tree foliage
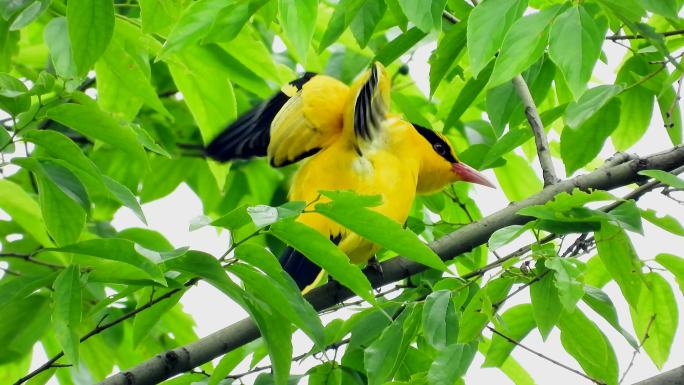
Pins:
x,y
105,104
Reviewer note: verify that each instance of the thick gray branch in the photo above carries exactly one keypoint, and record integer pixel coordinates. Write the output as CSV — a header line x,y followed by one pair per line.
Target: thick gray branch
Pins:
x,y
533,118
672,377
182,359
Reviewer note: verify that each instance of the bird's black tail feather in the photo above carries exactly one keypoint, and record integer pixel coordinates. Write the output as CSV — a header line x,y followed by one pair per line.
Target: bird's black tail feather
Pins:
x,y
300,268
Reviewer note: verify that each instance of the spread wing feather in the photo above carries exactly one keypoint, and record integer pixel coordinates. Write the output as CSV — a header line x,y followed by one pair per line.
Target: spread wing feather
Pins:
x,y
286,128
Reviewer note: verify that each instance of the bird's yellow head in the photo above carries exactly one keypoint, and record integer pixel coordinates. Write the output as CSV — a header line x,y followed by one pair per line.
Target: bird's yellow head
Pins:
x,y
439,165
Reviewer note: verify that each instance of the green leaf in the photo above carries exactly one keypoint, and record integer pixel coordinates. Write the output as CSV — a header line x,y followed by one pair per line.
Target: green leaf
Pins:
x,y
675,265
29,14
325,254
570,290
635,116
627,216
277,333
601,304
5,139
298,19
665,222
467,96
657,306
397,47
546,303
575,45
488,24
125,197
230,20
664,177
24,210
23,286
589,103
380,357
522,45
425,16
64,217
516,323
505,235
440,321
66,316
127,66
342,16
667,8
157,15
445,56
285,299
145,321
510,141
671,113
629,9
621,261
328,373
96,124
366,20
14,97
205,81
91,26
379,229
517,178
587,344
451,364
590,136
114,249
193,25
209,268
249,49
22,324
56,37
227,363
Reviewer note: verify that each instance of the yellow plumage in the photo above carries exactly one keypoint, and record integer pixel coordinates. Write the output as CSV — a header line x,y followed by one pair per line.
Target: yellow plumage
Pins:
x,y
350,142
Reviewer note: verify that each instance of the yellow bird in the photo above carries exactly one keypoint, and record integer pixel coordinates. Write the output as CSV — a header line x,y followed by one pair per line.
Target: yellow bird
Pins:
x,y
350,142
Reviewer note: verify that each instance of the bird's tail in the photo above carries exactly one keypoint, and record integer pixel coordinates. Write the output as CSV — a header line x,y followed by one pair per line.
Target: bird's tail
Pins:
x,y
301,269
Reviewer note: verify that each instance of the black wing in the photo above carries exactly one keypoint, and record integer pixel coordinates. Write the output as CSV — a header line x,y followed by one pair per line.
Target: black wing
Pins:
x,y
249,135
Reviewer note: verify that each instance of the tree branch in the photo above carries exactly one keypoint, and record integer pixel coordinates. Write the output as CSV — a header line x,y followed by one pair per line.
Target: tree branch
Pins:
x,y
551,360
533,118
672,377
182,359
633,37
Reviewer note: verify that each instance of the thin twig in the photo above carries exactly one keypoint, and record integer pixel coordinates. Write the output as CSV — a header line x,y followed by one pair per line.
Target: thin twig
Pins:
x,y
516,343
257,369
633,37
638,349
548,171
51,363
30,258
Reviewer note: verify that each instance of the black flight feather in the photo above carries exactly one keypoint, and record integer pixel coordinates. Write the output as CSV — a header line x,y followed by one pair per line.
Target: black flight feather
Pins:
x,y
250,134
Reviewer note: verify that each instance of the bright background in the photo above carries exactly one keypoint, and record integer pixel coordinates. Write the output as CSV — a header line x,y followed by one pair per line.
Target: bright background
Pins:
x,y
213,310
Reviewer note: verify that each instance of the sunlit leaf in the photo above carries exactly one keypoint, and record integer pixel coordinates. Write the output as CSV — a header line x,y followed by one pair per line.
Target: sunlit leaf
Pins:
x,y
66,316
91,25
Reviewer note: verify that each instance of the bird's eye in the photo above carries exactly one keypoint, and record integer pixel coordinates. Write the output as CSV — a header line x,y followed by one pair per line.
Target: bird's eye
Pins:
x,y
439,148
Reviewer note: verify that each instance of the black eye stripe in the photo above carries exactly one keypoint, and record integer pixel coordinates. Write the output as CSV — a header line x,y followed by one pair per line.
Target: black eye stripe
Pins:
x,y
438,144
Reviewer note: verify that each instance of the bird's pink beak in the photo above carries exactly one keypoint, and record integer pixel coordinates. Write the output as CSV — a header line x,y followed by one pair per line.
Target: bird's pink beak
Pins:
x,y
469,174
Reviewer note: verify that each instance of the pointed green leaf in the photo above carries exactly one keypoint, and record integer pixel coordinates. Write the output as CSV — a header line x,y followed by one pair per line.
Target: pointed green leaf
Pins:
x,y
664,177
298,19
426,15
621,261
516,323
546,304
488,24
601,304
325,254
24,210
114,249
570,290
675,265
451,364
445,56
91,25
589,346
665,222
657,303
575,44
66,316
589,103
440,321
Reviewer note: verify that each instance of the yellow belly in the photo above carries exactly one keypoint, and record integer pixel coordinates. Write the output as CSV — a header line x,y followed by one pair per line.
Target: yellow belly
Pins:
x,y
376,173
